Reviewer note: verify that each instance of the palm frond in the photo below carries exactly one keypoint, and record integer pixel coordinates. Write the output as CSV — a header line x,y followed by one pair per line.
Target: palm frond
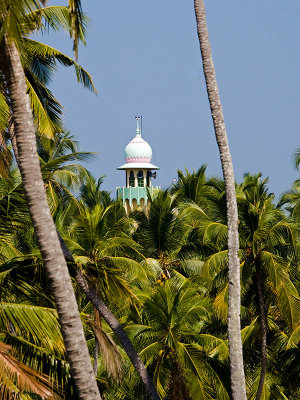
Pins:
x,y
55,18
38,52
14,372
40,323
46,114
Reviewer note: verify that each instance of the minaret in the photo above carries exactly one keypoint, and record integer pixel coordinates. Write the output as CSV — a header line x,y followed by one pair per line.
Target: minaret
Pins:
x,y
138,168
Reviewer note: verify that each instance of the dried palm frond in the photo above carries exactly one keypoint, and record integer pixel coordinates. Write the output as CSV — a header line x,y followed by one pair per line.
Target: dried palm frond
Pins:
x,y
108,350
16,377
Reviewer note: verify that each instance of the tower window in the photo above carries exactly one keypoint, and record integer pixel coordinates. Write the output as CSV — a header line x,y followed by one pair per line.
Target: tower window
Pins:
x,y
131,179
140,177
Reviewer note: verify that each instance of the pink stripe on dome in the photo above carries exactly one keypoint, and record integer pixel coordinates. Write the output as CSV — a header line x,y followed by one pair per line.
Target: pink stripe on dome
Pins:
x,y
138,159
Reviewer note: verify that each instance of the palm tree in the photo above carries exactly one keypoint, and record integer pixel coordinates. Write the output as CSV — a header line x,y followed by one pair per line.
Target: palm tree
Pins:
x,y
77,352
32,341
195,187
267,249
168,339
267,242
60,174
18,250
39,62
291,198
234,322
162,234
101,248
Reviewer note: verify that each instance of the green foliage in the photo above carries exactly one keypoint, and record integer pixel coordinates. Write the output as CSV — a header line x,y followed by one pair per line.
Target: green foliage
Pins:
x,y
162,271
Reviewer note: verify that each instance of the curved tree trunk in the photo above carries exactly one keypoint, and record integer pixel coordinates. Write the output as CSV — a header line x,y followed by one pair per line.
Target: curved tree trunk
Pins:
x,y
263,330
113,323
116,327
55,264
234,324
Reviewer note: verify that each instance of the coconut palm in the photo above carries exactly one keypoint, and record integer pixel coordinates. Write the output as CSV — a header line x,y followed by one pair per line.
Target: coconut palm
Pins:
x,y
234,323
168,338
162,234
16,378
195,187
11,66
39,62
19,252
267,243
291,198
99,240
32,353
189,186
60,174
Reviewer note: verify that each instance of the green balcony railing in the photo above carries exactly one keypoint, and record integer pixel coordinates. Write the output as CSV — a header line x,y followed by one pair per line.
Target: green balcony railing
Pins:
x,y
137,193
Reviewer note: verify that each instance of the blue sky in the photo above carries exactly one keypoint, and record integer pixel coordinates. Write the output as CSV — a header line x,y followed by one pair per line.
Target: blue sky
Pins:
x,y
144,58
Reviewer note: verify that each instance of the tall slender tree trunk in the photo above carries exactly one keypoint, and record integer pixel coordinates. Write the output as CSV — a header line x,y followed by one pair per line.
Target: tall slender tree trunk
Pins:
x,y
13,140
96,349
113,323
234,324
116,327
55,264
263,330
96,355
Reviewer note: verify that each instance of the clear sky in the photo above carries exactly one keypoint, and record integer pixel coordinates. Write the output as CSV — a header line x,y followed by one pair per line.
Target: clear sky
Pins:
x,y
144,57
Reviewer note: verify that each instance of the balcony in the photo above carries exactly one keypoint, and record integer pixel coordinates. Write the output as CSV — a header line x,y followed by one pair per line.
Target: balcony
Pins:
x,y
137,193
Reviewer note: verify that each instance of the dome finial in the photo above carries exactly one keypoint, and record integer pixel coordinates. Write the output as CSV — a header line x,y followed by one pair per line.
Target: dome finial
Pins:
x,y
138,130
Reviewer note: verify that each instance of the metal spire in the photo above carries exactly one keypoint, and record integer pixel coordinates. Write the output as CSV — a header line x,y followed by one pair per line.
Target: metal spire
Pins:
x,y
138,130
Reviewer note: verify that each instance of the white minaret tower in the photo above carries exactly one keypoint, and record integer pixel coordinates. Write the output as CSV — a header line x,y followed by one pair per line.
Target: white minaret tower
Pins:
x,y
138,168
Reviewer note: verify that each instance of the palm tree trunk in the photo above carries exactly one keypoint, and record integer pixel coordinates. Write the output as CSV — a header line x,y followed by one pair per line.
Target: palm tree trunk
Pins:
x,y
116,327
96,355
96,349
263,330
12,136
234,324
55,264
113,323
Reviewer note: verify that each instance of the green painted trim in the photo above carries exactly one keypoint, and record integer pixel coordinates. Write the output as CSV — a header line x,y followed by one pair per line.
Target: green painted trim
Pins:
x,y
137,193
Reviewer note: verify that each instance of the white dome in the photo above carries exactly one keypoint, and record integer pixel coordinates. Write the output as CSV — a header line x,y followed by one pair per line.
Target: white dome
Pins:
x,y
138,150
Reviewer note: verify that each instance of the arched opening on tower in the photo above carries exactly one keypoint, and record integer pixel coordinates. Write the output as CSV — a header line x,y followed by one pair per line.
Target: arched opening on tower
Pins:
x,y
131,179
127,206
140,177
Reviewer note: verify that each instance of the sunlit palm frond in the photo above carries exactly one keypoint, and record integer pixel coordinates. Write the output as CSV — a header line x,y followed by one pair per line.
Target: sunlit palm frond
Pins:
x,y
48,57
194,213
40,323
4,113
191,358
12,14
131,268
215,263
221,302
46,114
289,302
55,18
